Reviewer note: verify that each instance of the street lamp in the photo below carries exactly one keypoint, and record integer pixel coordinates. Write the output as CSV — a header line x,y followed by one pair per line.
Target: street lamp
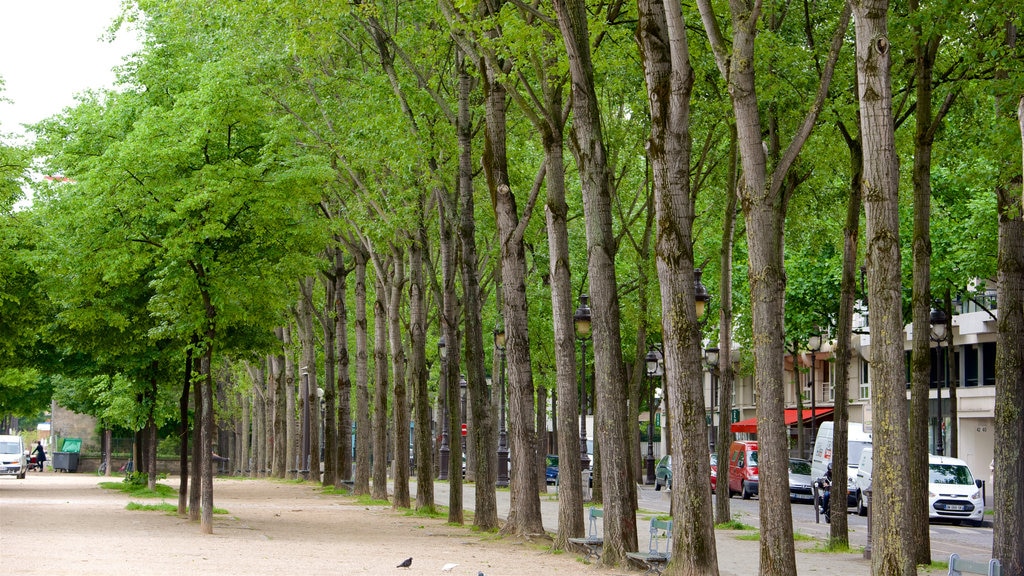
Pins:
x,y
305,415
813,345
581,320
462,389
499,343
700,293
323,415
442,350
937,319
711,357
653,363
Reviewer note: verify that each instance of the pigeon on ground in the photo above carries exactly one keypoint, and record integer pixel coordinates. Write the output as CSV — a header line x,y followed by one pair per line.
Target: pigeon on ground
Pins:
x,y
406,563
447,568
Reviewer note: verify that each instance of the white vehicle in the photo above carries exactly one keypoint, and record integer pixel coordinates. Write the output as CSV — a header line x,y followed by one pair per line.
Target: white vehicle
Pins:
x,y
12,457
863,480
857,441
953,493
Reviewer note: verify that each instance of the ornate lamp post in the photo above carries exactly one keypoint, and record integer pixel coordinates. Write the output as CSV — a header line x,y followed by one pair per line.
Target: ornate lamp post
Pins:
x,y
442,350
653,365
463,432
581,320
813,345
711,357
305,415
937,319
499,343
700,293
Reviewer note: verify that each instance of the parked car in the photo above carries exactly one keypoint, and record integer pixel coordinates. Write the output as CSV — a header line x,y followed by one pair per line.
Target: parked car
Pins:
x,y
857,441
13,461
863,480
663,473
800,481
743,479
551,468
953,493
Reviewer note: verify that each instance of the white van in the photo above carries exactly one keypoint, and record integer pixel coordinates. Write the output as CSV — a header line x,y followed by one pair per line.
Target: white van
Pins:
x,y
863,480
857,441
953,493
12,457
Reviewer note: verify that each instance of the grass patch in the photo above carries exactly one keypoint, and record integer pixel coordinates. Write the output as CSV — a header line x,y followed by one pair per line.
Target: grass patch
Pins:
x,y
367,500
140,491
734,524
937,566
832,547
335,491
798,537
753,536
164,507
427,513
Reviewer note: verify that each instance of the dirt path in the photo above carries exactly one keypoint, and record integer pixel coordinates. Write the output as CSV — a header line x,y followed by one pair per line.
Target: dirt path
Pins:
x,y
58,524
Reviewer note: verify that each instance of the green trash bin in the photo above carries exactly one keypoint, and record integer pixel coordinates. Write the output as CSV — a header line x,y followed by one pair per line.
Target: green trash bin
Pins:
x,y
67,459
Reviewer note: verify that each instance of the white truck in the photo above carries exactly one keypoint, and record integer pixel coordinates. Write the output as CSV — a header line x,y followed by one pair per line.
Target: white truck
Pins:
x,y
857,441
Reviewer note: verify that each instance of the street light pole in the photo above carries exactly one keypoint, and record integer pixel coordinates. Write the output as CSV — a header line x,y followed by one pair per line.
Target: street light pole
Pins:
x,y
937,319
305,415
499,343
711,357
581,320
462,389
652,361
813,345
442,395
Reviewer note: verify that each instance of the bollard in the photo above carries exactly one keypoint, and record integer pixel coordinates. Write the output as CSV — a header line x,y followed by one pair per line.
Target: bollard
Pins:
x,y
867,547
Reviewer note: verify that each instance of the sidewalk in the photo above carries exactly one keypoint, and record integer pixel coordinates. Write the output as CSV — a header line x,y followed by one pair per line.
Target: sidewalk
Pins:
x,y
735,557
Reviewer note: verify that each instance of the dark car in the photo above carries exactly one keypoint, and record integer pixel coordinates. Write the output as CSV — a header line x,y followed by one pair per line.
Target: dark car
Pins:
x,y
800,481
551,469
663,472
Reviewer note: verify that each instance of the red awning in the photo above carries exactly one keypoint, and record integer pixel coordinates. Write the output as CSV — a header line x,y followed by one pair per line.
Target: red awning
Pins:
x,y
750,424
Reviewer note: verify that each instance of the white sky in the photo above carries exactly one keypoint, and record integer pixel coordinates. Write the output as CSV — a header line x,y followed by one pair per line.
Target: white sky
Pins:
x,y
51,50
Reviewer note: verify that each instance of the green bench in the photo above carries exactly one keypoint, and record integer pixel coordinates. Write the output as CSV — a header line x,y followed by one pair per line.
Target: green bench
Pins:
x,y
659,549
958,566
593,543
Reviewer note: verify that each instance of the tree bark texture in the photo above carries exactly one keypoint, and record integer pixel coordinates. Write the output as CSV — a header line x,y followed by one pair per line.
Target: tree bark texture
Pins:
x,y
839,530
380,394
280,382
524,517
418,375
725,317
483,434
364,419
330,398
892,553
921,353
400,408
587,141
669,76
344,380
1007,544
450,363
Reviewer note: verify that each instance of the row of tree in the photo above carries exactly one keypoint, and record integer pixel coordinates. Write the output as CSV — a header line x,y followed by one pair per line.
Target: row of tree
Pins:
x,y
262,158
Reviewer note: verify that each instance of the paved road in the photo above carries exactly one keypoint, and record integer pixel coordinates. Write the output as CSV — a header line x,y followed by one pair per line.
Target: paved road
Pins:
x,y
968,541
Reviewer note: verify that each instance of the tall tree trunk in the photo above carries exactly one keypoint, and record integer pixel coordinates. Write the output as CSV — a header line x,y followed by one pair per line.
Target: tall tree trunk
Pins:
x,y
925,49
524,518
344,383
186,385
662,36
839,531
418,371
541,441
450,333
364,419
1007,545
195,493
279,466
588,147
400,408
725,363
380,393
328,324
309,401
893,552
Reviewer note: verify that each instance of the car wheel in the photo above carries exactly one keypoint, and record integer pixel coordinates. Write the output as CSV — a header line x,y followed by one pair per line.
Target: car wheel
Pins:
x,y
746,494
862,509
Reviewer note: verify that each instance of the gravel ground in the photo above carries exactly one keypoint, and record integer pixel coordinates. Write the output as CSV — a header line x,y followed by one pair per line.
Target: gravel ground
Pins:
x,y
65,524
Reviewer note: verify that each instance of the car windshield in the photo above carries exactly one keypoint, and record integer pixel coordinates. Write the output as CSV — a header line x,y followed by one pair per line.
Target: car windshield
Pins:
x,y
753,458
853,451
800,467
552,460
10,448
714,459
949,474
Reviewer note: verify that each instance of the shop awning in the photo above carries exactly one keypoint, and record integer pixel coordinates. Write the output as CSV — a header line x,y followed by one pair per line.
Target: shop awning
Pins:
x,y
750,424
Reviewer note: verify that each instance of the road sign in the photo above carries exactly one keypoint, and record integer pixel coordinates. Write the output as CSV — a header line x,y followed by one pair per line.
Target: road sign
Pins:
x,y
464,429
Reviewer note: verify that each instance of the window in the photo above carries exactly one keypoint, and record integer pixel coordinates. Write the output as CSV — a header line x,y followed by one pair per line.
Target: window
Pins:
x,y
829,381
988,363
970,365
865,380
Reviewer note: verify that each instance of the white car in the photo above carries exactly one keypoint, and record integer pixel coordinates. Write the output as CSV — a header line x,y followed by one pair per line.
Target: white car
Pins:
x,y
953,493
12,457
